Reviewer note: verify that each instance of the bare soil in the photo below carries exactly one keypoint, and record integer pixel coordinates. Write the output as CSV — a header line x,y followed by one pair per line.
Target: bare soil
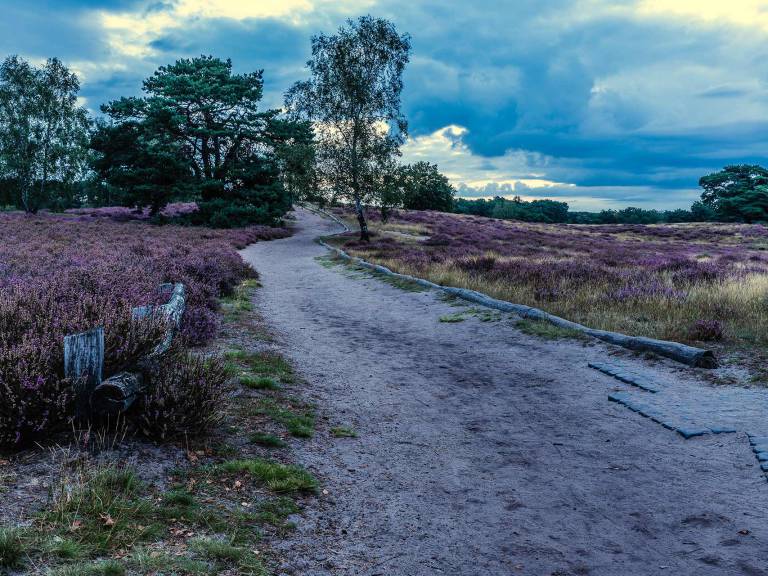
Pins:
x,y
482,450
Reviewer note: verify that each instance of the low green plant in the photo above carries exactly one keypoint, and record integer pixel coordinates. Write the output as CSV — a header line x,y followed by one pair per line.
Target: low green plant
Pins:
x,y
276,476
299,425
259,382
453,318
343,432
547,330
11,548
264,363
216,549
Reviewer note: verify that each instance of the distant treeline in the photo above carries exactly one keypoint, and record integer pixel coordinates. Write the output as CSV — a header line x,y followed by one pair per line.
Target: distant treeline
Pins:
x,y
553,212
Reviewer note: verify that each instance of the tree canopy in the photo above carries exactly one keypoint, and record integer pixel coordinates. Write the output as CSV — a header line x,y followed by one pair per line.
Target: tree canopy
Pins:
x,y
199,129
43,131
353,99
425,188
737,192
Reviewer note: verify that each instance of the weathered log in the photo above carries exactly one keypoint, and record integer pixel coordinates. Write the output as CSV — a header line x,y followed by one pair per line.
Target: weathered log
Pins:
x,y
696,357
117,393
83,365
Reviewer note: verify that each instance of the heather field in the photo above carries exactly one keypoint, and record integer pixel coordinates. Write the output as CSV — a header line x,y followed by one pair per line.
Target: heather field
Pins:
x,y
696,283
69,273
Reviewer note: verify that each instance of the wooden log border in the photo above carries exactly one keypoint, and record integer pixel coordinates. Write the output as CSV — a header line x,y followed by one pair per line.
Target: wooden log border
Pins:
x,y
84,360
690,355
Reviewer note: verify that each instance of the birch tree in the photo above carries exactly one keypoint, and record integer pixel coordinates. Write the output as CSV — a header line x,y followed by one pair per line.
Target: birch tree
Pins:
x,y
43,130
353,99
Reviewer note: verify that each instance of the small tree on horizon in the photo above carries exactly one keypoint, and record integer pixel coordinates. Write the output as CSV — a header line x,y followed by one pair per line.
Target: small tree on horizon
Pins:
x,y
425,188
353,100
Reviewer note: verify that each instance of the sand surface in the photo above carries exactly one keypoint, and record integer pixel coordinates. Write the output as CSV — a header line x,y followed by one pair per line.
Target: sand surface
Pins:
x,y
483,451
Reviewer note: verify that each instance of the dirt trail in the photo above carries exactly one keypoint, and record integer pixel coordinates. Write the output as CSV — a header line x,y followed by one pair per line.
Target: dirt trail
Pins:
x,y
483,451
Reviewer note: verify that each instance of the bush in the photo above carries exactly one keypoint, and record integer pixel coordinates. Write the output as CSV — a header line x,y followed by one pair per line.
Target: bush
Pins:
x,y
185,397
706,331
199,325
11,550
61,275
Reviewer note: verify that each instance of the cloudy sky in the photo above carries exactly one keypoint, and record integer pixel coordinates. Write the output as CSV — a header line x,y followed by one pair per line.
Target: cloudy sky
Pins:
x,y
602,104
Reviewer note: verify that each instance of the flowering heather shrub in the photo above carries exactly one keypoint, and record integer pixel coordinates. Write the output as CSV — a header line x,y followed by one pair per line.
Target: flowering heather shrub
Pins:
x,y
124,214
198,326
61,275
185,397
647,280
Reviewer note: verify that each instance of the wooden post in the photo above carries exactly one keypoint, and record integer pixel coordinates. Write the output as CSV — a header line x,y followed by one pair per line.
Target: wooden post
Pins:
x,y
117,393
84,364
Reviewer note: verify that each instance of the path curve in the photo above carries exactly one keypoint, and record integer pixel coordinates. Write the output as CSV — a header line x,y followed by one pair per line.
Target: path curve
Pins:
x,y
483,451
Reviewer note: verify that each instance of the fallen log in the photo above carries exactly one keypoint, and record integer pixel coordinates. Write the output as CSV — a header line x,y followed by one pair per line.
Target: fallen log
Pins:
x,y
696,357
117,393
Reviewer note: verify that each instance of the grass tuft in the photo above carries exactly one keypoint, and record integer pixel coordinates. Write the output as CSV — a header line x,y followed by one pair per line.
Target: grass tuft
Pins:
x,y
11,548
267,440
259,382
343,432
277,477
547,330
452,318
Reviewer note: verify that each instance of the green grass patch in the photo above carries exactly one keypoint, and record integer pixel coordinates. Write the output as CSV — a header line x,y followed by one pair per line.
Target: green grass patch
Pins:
x,y
267,440
276,476
155,562
547,330
328,261
400,283
264,363
276,512
453,318
300,425
216,549
11,547
343,432
66,549
259,382
240,301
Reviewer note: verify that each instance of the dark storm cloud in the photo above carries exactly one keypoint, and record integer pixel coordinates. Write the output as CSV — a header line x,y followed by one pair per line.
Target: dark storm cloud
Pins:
x,y
615,103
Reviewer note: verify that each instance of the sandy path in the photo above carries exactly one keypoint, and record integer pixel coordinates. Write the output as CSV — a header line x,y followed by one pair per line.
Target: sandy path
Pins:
x,y
484,451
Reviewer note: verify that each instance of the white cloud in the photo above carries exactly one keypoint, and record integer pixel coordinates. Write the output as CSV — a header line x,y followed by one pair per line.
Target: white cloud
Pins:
x,y
752,13
446,148
130,33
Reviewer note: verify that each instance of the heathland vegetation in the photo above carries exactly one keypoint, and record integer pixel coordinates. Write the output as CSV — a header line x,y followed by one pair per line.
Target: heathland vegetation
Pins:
x,y
685,282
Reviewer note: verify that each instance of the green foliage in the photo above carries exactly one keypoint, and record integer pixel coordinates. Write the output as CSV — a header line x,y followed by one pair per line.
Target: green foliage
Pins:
x,y
198,134
139,164
43,132
276,476
11,549
343,432
425,188
737,193
549,211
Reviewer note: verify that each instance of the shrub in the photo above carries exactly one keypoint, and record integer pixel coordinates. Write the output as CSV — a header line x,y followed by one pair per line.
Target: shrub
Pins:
x,y
706,331
185,396
199,325
62,275
11,550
